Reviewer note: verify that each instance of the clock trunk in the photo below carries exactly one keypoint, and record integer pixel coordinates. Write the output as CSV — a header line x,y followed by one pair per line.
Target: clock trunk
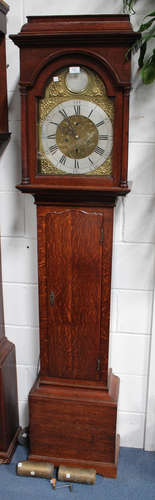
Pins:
x,y
75,249
74,265
74,254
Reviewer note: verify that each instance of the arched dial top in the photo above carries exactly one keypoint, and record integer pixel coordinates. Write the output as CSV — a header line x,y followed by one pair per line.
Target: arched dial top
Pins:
x,y
75,125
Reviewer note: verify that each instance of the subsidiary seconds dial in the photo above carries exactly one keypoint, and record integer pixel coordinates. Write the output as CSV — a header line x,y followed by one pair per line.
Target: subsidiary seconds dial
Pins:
x,y
77,136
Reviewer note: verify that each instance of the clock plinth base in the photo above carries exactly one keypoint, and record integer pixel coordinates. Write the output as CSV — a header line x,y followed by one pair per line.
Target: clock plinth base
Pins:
x,y
75,426
5,457
9,424
103,468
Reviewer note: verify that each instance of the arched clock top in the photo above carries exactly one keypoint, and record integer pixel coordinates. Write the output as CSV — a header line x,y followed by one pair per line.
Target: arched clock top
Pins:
x,y
107,37
75,138
52,63
50,69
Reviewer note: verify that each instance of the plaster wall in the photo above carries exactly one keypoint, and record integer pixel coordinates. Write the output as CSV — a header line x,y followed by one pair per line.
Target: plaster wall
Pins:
x,y
133,277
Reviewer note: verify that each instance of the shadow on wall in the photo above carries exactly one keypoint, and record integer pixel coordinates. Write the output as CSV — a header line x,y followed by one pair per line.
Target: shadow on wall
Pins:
x,y
11,200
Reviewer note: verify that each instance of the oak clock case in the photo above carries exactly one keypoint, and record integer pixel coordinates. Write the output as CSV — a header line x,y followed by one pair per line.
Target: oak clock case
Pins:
x,y
9,422
75,93
4,133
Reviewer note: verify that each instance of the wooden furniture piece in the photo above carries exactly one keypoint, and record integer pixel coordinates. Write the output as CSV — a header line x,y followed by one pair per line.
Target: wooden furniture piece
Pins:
x,y
75,86
4,133
9,422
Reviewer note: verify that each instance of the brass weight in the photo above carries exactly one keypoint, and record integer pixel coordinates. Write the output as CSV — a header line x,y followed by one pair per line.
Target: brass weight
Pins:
x,y
35,469
76,474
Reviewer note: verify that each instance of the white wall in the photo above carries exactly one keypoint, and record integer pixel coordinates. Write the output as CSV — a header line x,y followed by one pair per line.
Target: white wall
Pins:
x,y
134,237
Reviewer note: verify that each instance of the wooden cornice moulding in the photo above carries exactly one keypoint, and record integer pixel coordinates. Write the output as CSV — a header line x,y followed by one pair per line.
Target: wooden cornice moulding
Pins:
x,y
90,28
70,34
44,195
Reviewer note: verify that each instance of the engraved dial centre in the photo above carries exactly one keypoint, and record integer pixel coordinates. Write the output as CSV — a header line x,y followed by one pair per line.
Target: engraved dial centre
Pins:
x,y
77,137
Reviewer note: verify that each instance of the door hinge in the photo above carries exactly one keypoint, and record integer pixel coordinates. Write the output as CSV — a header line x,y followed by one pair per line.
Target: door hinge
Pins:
x,y
98,365
101,240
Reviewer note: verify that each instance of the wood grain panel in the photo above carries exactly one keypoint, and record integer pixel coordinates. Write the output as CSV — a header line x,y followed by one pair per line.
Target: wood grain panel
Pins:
x,y
74,264
75,426
9,423
77,429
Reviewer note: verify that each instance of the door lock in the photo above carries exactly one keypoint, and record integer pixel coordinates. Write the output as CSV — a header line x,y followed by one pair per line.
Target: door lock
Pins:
x,y
51,298
98,365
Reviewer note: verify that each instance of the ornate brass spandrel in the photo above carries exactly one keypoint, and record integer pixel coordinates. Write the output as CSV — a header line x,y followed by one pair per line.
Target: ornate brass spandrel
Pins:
x,y
57,86
47,168
105,169
55,91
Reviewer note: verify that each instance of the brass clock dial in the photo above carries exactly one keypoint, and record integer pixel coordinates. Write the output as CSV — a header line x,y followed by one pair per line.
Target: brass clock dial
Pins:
x,y
75,129
77,136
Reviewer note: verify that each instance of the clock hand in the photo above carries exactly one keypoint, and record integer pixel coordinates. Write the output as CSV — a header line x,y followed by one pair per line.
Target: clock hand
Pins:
x,y
67,129
70,127
67,119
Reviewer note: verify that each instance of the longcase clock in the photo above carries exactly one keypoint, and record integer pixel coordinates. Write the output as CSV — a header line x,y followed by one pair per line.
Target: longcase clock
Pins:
x,y
4,133
9,422
74,86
